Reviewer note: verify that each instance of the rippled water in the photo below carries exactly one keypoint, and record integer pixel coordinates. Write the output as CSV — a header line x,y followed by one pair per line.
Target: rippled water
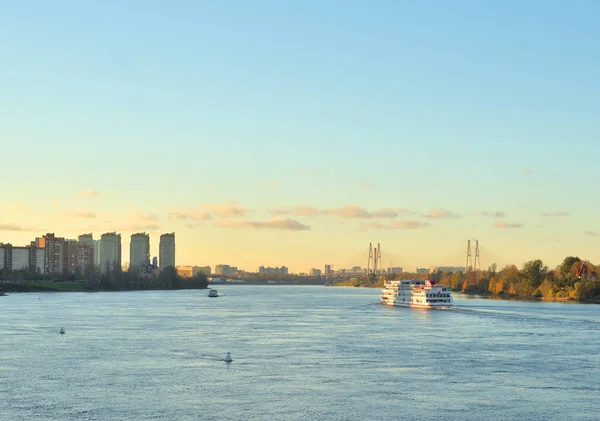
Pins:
x,y
300,353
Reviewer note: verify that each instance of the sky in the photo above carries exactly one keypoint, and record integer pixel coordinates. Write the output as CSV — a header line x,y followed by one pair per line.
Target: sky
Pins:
x,y
296,132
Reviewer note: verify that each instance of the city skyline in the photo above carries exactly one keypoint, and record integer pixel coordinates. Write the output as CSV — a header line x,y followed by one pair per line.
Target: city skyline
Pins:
x,y
294,134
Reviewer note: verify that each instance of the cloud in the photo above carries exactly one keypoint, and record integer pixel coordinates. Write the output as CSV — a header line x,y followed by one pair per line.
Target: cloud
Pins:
x,y
88,193
389,213
441,214
13,227
496,214
301,210
272,183
362,184
190,214
592,233
83,214
138,227
349,211
507,225
277,223
143,217
395,225
552,214
226,210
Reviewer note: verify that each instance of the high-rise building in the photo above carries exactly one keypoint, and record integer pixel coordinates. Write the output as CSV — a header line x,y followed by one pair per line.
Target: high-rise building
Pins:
x,y
36,257
95,244
110,251
54,255
166,252
328,270
79,256
139,250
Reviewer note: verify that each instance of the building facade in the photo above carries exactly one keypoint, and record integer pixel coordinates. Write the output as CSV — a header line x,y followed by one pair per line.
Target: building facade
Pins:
x,y
166,252
54,255
110,251
79,257
139,250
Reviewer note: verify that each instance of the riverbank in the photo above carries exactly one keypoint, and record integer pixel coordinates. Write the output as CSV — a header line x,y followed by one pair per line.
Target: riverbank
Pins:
x,y
28,287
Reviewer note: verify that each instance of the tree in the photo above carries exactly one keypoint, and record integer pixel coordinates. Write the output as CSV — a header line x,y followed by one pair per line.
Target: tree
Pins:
x,y
567,265
533,274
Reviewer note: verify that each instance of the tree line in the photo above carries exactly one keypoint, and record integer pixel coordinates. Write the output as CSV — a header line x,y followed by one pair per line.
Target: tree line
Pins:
x,y
568,281
116,278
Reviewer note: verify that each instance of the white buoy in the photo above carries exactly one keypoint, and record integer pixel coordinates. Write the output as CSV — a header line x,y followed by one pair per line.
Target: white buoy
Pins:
x,y
228,358
62,330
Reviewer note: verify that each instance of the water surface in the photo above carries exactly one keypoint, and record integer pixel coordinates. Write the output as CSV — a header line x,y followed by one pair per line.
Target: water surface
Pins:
x,y
300,353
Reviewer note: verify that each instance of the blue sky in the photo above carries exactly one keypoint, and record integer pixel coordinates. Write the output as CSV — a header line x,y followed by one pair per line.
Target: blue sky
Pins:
x,y
187,108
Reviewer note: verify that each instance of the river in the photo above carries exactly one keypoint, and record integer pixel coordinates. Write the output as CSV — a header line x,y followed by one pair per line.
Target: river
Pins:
x,y
299,353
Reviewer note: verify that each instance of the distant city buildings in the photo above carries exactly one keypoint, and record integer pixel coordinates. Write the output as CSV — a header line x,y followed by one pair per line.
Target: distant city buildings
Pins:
x,y
139,250
315,272
225,270
450,269
395,270
328,270
166,252
273,271
191,271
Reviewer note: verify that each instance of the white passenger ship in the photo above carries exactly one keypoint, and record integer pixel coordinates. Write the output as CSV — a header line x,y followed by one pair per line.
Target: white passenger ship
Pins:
x,y
416,293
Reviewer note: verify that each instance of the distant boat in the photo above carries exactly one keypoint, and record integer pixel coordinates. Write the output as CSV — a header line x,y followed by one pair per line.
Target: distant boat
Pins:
x,y
2,293
228,358
62,330
213,293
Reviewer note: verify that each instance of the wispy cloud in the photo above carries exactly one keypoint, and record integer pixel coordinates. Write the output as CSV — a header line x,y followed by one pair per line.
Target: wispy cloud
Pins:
x,y
272,183
193,215
441,214
496,214
558,214
389,213
12,227
83,214
277,224
363,184
395,225
508,225
15,227
301,210
349,211
88,193
592,233
231,209
143,217
137,227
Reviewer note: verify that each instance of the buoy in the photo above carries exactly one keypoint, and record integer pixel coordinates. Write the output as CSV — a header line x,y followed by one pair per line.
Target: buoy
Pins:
x,y
228,358
62,330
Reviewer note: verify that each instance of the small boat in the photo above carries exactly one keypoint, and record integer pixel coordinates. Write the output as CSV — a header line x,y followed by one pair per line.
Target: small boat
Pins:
x,y
228,358
62,330
213,293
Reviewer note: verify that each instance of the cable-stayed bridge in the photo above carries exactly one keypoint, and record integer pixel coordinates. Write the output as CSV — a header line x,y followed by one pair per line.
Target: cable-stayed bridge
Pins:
x,y
479,257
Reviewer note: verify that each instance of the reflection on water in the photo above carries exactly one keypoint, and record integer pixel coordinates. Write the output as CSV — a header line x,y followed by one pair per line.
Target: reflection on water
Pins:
x,y
313,353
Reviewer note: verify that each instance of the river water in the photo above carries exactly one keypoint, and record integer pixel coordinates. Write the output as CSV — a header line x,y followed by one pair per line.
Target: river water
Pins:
x,y
299,353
